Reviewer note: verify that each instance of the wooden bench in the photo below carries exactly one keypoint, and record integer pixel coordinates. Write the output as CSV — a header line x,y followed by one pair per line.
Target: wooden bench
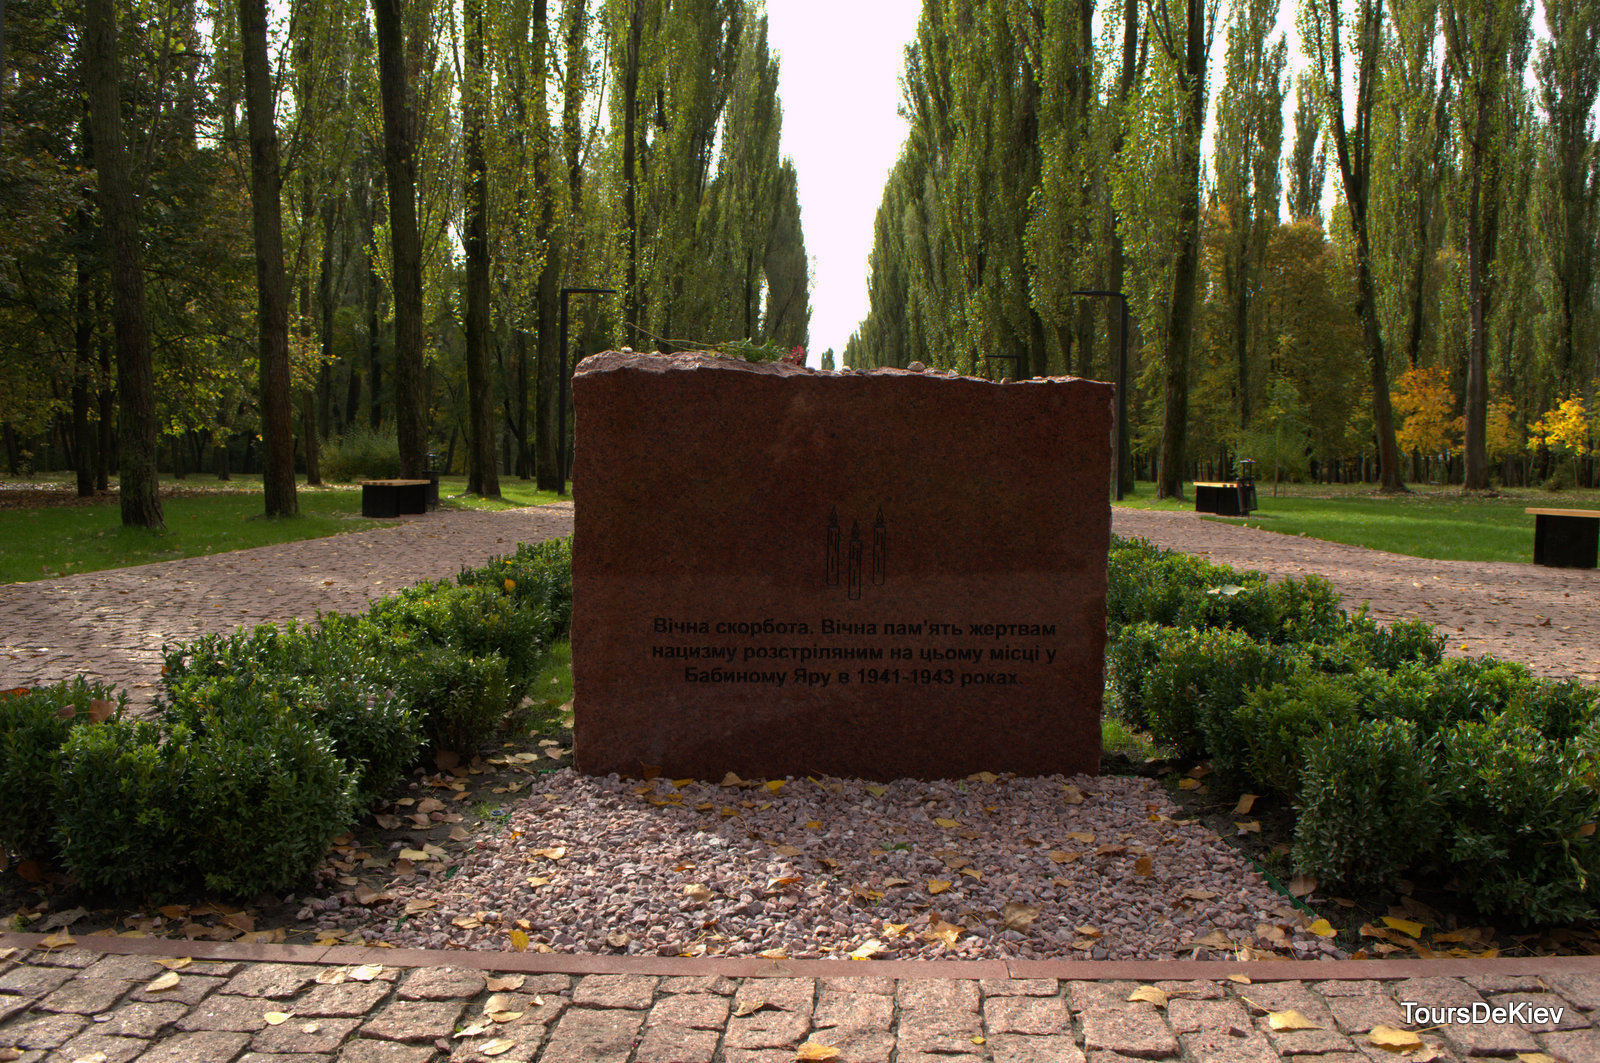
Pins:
x,y
1225,498
1566,538
391,498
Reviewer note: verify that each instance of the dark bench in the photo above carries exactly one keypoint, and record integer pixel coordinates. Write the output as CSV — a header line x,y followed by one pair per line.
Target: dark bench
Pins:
x,y
1225,498
391,498
1566,538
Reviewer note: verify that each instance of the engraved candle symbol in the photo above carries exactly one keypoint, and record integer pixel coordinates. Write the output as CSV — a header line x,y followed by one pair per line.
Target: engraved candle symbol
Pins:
x,y
833,547
855,560
880,549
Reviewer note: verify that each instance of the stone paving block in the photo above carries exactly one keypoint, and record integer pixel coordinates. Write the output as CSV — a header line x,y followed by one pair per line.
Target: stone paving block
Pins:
x,y
1193,990
46,1031
10,1007
1188,1016
441,983
1027,1015
346,998
303,1035
74,958
1086,995
84,996
1341,1057
881,987
585,1035
842,1010
1118,1057
938,994
856,1044
1571,1018
615,991
747,1055
1229,1045
360,1051
1506,983
1469,1039
92,1044
139,1020
1582,989
34,982
1572,1046
1286,996
523,1049
790,994
213,1046
274,981
699,983
1021,1048
274,1057
690,1011
191,989
414,1020
676,1044
1351,987
231,1013
562,983
771,1027
1019,987
1305,1042
918,1055
127,968
1435,1046
1130,1030
532,1014
1358,1014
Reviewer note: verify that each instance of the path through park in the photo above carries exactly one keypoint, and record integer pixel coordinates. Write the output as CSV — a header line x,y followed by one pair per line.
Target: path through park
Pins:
x,y
114,1000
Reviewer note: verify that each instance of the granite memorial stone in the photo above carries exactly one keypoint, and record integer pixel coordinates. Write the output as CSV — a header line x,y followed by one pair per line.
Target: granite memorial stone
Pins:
x,y
882,574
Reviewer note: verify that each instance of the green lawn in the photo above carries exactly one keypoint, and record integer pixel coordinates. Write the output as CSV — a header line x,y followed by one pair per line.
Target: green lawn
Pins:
x,y
1435,522
210,517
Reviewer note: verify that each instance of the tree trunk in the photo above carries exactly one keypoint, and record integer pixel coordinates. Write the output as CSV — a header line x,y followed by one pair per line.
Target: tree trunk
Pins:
x,y
119,224
82,368
1114,263
630,209
272,284
107,401
1180,319
400,169
483,477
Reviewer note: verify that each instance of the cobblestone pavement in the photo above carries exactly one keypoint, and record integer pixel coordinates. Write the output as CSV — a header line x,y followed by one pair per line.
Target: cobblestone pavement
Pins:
x,y
1543,617
166,1002
111,624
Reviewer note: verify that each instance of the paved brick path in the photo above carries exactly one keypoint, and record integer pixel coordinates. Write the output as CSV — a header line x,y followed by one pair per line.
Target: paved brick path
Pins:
x,y
276,1004
111,624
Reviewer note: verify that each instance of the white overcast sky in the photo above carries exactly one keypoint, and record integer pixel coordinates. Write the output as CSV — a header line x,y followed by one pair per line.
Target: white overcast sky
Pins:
x,y
839,81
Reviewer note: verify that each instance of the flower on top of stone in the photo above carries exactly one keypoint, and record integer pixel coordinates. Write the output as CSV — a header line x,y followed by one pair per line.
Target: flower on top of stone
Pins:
x,y
796,356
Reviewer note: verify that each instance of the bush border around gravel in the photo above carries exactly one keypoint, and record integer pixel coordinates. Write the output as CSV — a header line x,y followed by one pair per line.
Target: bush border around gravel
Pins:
x,y
266,744
1473,772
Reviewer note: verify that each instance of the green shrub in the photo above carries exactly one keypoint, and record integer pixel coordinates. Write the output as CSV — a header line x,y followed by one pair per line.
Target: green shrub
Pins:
x,y
1305,610
1519,813
1130,658
34,725
361,454
1197,681
1401,642
333,677
462,697
265,794
1366,808
541,578
1274,722
1145,583
121,809
1472,689
1560,710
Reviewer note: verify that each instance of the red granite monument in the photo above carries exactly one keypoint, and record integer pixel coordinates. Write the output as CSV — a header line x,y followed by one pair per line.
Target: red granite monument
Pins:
x,y
881,574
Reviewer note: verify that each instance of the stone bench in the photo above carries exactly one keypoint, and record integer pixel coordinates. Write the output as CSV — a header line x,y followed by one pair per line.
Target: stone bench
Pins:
x,y
391,498
1566,538
1225,498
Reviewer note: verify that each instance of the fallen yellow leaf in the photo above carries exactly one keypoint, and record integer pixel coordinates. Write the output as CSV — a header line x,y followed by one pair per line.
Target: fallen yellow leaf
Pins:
x,y
1188,784
1057,856
697,892
276,1018
507,983
166,981
1081,837
57,941
1535,1057
1150,995
937,886
773,954
472,1030
1405,926
876,791
1290,1020
497,1046
1239,978
1144,866
748,1007
1322,928
1391,1038
171,963
867,950
1245,803
1252,827
776,784
816,1050
519,940
942,822
553,853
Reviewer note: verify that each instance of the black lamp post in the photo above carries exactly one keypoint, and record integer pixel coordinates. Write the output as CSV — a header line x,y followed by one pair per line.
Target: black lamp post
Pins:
x,y
561,417
1117,459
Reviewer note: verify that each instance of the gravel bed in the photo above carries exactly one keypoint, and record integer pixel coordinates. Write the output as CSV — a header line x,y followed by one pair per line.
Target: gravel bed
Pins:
x,y
990,867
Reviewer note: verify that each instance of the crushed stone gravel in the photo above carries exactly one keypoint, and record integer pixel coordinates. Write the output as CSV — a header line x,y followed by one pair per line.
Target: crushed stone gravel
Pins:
x,y
989,867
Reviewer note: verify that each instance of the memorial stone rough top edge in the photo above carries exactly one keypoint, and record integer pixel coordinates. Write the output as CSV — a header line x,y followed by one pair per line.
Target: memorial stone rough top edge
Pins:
x,y
660,686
